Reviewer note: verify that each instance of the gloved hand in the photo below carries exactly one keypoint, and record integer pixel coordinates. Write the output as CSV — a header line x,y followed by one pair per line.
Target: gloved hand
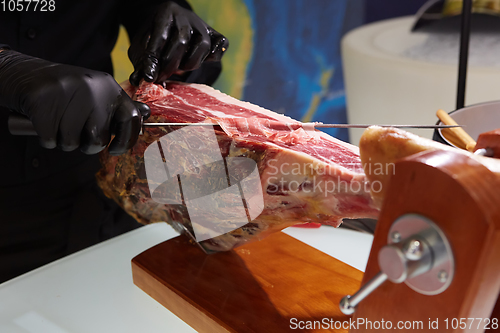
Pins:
x,y
70,107
177,39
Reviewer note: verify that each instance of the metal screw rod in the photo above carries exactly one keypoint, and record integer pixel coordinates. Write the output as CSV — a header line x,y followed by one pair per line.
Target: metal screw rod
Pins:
x,y
348,303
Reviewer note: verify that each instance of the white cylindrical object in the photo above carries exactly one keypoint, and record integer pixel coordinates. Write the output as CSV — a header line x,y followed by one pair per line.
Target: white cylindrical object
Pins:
x,y
387,84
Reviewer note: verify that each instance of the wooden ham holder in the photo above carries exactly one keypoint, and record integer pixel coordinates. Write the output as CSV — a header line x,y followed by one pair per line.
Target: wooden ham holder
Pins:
x,y
462,197
259,287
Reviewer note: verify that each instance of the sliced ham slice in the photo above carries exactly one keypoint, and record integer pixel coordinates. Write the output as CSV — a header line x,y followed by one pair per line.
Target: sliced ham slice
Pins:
x,y
305,175
290,133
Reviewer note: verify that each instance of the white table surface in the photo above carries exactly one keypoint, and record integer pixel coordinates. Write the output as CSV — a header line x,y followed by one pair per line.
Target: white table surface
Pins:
x,y
92,290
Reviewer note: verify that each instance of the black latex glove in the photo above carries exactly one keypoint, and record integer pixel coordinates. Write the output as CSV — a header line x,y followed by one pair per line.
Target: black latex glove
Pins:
x,y
70,107
177,40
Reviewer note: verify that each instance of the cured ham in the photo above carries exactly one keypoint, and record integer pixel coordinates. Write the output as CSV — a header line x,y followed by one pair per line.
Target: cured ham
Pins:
x,y
197,177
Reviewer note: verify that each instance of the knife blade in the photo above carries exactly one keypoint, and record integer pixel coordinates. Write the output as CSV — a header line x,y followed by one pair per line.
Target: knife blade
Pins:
x,y
21,125
315,125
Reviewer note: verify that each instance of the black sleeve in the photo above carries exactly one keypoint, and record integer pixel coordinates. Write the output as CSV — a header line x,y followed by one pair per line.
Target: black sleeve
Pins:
x,y
4,46
136,16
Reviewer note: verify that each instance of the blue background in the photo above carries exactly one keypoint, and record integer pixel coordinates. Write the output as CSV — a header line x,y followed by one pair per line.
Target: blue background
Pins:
x,y
301,39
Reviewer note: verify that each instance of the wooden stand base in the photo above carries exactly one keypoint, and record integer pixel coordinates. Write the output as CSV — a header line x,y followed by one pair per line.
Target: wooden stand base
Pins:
x,y
259,287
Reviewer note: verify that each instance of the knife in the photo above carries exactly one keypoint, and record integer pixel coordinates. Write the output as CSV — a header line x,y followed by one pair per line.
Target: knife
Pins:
x,y
315,125
21,125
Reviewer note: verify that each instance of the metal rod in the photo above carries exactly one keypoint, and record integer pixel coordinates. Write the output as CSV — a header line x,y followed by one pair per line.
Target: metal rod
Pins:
x,y
367,289
348,303
464,52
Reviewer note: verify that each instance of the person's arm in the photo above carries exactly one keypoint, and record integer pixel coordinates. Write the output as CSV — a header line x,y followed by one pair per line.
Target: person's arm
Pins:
x,y
70,107
168,37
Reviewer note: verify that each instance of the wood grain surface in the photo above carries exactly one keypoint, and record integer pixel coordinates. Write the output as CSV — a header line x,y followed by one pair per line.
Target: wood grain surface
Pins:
x,y
258,287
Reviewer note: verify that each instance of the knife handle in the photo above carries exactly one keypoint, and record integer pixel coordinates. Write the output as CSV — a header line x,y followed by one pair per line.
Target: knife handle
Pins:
x,y
20,125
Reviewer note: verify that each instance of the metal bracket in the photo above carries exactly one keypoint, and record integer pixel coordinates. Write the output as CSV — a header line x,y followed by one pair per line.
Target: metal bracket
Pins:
x,y
418,254
440,276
